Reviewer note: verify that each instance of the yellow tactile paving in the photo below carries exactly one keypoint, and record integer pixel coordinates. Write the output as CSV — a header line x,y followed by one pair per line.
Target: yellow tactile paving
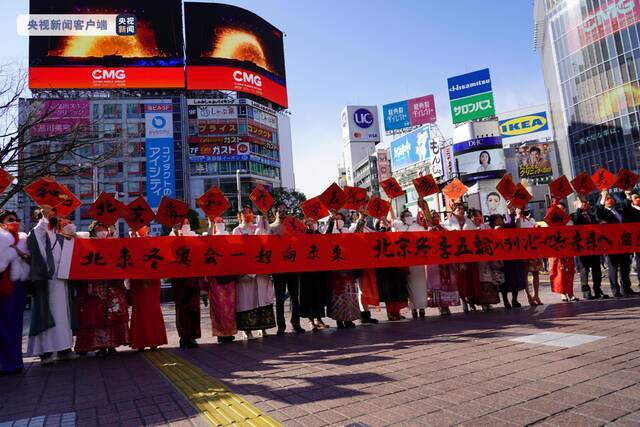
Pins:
x,y
219,406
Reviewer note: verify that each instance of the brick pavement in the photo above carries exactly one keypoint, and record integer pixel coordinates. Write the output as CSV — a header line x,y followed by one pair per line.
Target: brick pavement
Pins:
x,y
463,369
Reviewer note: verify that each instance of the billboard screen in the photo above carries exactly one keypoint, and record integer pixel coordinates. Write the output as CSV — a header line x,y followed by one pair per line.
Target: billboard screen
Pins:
x,y
151,58
534,161
229,48
411,148
480,158
360,123
409,113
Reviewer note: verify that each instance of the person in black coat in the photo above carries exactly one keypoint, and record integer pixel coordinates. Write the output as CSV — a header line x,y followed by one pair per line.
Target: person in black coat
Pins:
x,y
617,264
631,213
582,216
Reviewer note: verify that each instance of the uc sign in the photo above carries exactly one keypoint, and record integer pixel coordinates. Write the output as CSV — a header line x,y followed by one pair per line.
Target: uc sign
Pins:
x,y
524,124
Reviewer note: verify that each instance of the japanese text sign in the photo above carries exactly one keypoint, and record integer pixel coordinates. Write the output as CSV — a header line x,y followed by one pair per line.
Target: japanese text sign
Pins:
x,y
521,197
69,204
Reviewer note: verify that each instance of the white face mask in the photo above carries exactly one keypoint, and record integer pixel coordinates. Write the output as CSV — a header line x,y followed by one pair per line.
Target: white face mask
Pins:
x,y
409,220
219,228
340,223
102,234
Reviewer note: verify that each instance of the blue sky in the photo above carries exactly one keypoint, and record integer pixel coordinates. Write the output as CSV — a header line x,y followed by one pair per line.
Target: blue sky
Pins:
x,y
373,52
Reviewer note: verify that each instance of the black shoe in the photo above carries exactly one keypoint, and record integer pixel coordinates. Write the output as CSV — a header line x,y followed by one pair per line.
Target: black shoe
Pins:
x,y
516,304
350,324
590,297
414,314
629,292
365,317
298,329
618,295
280,331
340,324
600,296
186,343
422,313
507,305
226,339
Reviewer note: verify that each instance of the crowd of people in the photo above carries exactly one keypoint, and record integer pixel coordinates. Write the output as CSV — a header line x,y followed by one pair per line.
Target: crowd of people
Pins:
x,y
103,315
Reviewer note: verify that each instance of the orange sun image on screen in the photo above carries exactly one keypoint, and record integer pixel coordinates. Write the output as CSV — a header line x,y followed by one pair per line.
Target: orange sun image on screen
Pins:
x,y
239,44
142,45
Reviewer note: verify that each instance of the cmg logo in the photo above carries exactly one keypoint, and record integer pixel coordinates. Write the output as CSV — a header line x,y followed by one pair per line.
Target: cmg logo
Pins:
x,y
363,118
112,74
245,77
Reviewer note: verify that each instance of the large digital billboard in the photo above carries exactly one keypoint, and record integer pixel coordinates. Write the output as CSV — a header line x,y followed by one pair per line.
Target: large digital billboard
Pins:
x,y
480,158
150,58
229,48
410,149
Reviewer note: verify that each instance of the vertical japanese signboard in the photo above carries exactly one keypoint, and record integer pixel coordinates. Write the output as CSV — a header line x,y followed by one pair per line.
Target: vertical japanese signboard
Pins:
x,y
471,96
159,149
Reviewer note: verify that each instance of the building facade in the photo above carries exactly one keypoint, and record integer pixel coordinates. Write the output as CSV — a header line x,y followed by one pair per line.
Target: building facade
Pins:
x,y
590,52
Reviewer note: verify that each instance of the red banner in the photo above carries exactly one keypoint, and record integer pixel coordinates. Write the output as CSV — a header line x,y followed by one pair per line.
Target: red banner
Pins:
x,y
160,257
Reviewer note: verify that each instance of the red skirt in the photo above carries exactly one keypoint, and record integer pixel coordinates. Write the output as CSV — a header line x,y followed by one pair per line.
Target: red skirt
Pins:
x,y
147,323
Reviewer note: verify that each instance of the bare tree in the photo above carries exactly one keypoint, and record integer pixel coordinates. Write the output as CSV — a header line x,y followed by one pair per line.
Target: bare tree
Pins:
x,y
30,155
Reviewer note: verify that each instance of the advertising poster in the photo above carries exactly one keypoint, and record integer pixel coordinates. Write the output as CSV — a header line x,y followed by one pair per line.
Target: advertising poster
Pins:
x,y
229,48
534,161
469,84
412,112
150,57
492,203
473,107
159,152
59,117
384,165
222,112
480,158
410,149
524,125
360,123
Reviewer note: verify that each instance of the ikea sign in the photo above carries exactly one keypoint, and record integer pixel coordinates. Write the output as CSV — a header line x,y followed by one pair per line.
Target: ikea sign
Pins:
x,y
524,125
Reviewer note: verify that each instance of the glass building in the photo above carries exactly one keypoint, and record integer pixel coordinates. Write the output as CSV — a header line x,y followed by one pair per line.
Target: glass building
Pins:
x,y
590,52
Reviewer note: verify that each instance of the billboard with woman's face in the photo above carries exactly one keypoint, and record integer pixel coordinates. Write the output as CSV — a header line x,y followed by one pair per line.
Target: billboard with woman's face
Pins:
x,y
480,158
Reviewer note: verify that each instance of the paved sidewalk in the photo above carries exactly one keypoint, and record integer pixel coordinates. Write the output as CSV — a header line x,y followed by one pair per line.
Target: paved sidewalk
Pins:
x,y
466,369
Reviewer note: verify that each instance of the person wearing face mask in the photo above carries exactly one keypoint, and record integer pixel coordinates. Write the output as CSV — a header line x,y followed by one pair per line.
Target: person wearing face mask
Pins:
x,y
631,213
254,292
442,285
618,265
468,277
345,302
533,266
582,216
417,279
186,293
562,270
103,315
515,276
14,277
222,295
50,334
391,283
315,294
285,283
147,322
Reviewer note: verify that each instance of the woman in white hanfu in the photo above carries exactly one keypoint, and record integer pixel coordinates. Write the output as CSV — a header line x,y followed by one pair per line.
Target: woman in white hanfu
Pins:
x,y
417,279
254,292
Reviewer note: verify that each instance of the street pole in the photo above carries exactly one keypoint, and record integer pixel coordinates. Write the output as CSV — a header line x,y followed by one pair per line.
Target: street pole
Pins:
x,y
94,179
238,190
